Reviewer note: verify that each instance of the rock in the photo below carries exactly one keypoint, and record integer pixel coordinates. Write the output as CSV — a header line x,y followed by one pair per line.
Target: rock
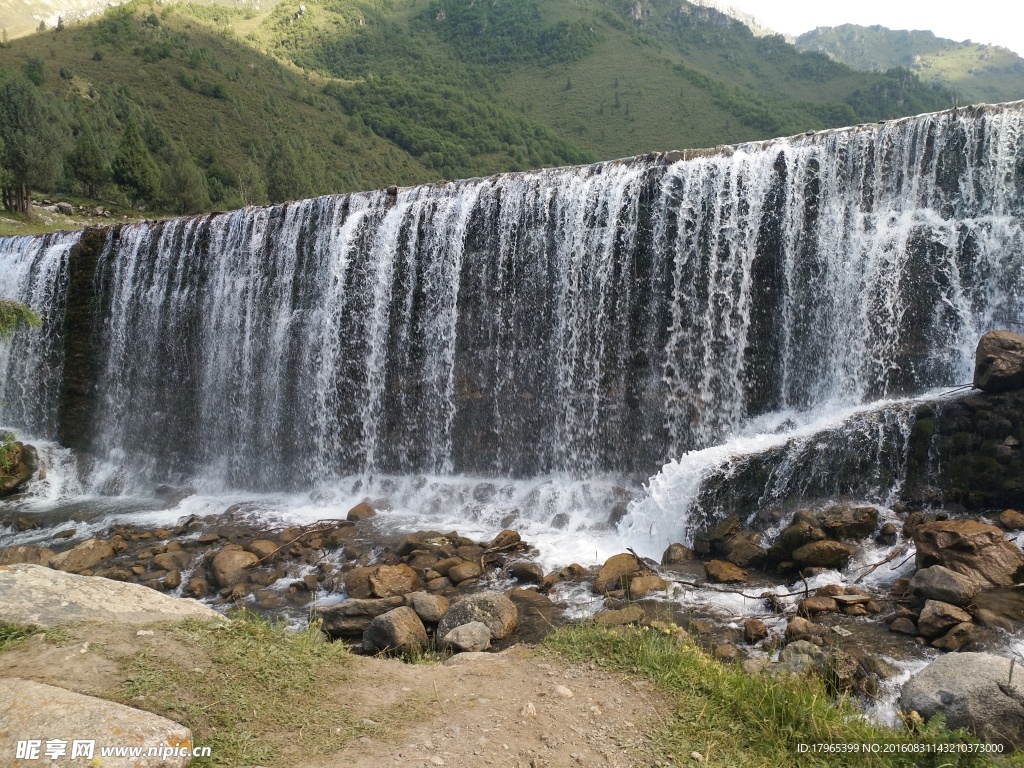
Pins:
x,y
22,462
973,691
430,608
538,615
726,652
397,631
172,580
937,618
353,616
392,580
646,584
438,585
631,614
507,539
888,534
1012,520
229,565
794,536
496,611
677,553
65,208
960,636
197,587
817,604
37,710
799,628
754,667
526,572
754,631
722,572
999,362
904,626
361,511
26,553
33,594
475,636
800,658
719,537
823,554
263,549
86,555
845,521
940,583
747,554
469,569
172,561
616,573
970,547
357,583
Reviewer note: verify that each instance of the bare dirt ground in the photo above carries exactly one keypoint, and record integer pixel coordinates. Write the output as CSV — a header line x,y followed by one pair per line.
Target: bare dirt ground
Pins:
x,y
518,709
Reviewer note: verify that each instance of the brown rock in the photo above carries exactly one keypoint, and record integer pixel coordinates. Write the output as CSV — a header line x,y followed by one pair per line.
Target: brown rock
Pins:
x,y
439,584
197,587
173,560
361,511
465,571
938,618
726,652
999,362
229,565
677,553
754,631
823,554
26,553
445,565
263,549
747,554
430,608
812,605
1012,520
940,583
722,572
397,631
353,617
969,547
845,521
646,584
631,614
799,628
507,539
392,580
904,626
357,583
959,637
526,572
723,532
173,579
86,555
616,573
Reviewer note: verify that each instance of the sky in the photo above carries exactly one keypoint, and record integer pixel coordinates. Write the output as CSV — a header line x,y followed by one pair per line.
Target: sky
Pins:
x,y
996,22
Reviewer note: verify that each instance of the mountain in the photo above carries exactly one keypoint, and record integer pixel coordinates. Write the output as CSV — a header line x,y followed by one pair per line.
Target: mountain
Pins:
x,y
243,103
976,73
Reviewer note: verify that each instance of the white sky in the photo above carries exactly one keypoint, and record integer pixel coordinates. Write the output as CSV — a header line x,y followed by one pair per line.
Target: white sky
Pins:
x,y
996,22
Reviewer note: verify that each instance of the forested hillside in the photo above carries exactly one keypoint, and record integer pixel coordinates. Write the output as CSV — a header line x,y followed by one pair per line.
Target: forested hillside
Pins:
x,y
183,108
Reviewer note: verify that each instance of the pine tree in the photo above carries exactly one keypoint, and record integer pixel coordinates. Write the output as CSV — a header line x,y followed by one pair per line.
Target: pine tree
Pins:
x,y
288,173
87,162
133,167
31,143
184,187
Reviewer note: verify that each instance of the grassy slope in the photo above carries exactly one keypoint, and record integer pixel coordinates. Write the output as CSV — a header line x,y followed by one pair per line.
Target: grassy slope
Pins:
x,y
978,73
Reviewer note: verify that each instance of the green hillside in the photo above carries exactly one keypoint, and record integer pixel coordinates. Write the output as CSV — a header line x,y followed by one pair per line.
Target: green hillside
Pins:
x,y
976,73
236,104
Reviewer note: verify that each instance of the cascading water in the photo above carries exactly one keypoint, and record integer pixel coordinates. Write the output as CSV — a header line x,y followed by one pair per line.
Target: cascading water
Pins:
x,y
575,323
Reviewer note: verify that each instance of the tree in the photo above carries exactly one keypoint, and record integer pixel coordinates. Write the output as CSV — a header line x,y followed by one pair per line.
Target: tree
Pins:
x,y
87,162
133,167
35,69
185,189
15,317
31,143
289,176
41,27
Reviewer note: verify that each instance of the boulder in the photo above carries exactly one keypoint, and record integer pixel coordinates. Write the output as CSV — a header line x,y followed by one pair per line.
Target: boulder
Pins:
x,y
721,572
507,539
904,625
397,631
754,631
845,521
970,547
361,511
264,549
33,594
973,691
940,583
937,618
430,608
677,553
197,586
722,533
35,710
26,553
469,569
174,560
22,462
794,536
631,614
817,604
475,636
357,583
229,565
86,555
823,554
616,573
999,362
392,580
801,658
498,612
353,616
746,553
960,636
646,584
526,572
799,628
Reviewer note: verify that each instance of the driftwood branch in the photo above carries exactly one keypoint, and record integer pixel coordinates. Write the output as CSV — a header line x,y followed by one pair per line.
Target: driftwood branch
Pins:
x,y
888,559
325,525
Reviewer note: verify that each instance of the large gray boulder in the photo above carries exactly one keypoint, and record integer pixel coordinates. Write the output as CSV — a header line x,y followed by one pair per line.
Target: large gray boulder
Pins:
x,y
40,596
999,362
496,611
82,557
940,583
353,617
397,631
33,710
973,691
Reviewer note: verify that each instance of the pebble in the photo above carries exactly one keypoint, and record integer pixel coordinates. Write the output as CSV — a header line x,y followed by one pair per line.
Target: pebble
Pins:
x,y
564,692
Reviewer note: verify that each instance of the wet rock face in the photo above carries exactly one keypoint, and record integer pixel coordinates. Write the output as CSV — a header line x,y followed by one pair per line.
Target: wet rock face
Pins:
x,y
973,691
999,362
21,462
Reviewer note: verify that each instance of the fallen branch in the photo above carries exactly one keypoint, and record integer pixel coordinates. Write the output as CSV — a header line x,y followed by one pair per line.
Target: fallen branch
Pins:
x,y
330,525
892,556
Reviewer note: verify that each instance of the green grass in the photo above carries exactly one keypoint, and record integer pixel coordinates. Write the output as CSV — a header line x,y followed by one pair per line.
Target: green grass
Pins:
x,y
734,719
252,690
13,634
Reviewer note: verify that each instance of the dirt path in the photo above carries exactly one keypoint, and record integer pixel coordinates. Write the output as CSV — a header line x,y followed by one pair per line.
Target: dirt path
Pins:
x,y
518,709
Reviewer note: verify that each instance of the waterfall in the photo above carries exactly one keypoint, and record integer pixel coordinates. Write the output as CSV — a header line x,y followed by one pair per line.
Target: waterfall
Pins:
x,y
583,320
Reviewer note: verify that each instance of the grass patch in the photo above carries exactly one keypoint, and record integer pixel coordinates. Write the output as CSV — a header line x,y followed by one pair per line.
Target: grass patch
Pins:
x,y
12,634
252,690
734,719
